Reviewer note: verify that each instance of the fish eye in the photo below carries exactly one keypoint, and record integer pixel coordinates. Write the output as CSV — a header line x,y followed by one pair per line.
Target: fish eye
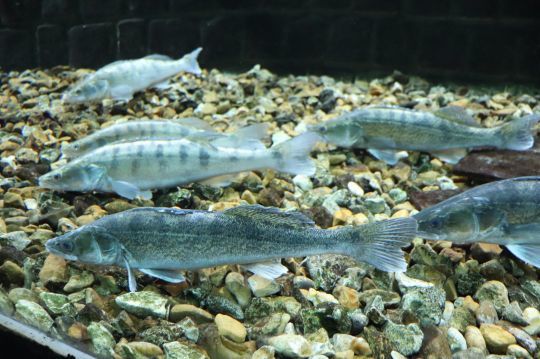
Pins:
x,y
57,177
66,246
436,223
323,128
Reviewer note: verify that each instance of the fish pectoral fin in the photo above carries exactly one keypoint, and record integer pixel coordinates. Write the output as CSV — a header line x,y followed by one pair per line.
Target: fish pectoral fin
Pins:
x,y
269,270
527,252
451,156
457,114
122,93
389,156
168,275
220,181
132,282
129,190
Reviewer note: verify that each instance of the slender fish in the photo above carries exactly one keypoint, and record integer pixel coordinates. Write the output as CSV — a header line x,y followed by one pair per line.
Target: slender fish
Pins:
x,y
161,241
447,133
504,212
121,79
131,169
129,131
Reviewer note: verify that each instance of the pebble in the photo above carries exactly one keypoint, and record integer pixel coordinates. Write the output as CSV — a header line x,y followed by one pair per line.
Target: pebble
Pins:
x,y
497,339
518,352
347,297
79,281
264,352
34,314
181,311
17,239
230,328
530,313
146,349
406,339
54,270
474,338
262,287
456,340
235,283
495,292
54,302
143,304
11,274
486,313
102,340
291,345
17,294
523,339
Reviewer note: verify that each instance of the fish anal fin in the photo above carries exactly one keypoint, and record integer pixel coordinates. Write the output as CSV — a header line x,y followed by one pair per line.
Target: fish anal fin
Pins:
x,y
271,214
451,156
122,93
269,270
168,275
129,190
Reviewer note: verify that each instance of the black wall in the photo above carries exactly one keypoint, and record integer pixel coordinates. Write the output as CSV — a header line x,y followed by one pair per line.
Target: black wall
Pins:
x,y
495,40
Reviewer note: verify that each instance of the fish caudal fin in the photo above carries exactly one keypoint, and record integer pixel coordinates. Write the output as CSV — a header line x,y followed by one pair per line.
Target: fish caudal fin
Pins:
x,y
527,252
517,135
292,156
380,243
190,62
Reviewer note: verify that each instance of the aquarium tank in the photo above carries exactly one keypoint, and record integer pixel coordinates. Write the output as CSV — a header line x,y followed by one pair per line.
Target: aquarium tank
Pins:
x,y
237,179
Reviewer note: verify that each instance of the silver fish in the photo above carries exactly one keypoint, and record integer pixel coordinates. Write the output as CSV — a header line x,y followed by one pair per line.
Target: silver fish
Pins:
x,y
161,241
131,169
505,212
121,79
447,133
190,128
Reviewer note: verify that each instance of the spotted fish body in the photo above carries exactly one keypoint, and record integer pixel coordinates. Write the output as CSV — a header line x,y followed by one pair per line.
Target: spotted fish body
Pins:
x,y
121,79
505,212
161,240
131,169
130,131
384,130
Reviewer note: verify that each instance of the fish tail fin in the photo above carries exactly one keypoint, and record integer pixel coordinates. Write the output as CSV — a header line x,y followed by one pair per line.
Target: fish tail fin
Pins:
x,y
292,156
190,62
527,252
517,135
380,243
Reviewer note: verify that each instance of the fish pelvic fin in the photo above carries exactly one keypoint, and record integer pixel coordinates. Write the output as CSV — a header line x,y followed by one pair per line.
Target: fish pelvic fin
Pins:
x,y
380,243
292,156
527,252
517,135
190,63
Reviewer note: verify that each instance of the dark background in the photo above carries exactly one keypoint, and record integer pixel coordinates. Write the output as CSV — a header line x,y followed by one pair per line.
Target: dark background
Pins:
x,y
484,40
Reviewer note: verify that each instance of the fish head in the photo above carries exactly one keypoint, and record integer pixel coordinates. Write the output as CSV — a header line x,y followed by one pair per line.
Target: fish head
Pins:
x,y
89,244
87,91
455,223
75,176
339,132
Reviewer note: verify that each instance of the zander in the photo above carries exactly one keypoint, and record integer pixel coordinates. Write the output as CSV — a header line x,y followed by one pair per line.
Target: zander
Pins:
x,y
131,169
121,79
504,212
447,133
129,131
161,241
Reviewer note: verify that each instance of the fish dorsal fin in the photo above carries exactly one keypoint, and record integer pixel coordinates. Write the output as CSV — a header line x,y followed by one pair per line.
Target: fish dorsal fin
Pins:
x,y
194,122
271,215
173,211
457,114
159,57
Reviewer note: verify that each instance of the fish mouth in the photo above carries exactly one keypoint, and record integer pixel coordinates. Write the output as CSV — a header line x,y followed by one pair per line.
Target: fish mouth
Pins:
x,y
56,252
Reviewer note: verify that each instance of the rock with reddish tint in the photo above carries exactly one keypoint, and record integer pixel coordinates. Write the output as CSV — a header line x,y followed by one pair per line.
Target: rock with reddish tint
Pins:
x,y
499,164
421,200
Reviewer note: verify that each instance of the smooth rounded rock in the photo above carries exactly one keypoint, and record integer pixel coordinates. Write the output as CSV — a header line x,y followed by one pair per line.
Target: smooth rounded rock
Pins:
x,y
456,340
497,339
34,314
291,345
230,328
143,304
495,292
474,338
262,287
180,311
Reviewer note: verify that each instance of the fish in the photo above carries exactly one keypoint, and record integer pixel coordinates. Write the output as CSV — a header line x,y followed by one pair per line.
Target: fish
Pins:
x,y
121,79
447,133
131,169
129,131
161,242
504,212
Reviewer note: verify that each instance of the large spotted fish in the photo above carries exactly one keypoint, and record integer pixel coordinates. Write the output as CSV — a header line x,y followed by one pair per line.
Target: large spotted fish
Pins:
x,y
131,169
505,212
161,241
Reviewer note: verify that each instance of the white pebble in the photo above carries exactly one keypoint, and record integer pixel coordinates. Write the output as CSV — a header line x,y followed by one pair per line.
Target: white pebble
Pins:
x,y
355,189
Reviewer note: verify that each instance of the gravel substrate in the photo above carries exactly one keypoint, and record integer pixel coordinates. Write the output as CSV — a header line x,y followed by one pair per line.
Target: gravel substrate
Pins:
x,y
463,301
